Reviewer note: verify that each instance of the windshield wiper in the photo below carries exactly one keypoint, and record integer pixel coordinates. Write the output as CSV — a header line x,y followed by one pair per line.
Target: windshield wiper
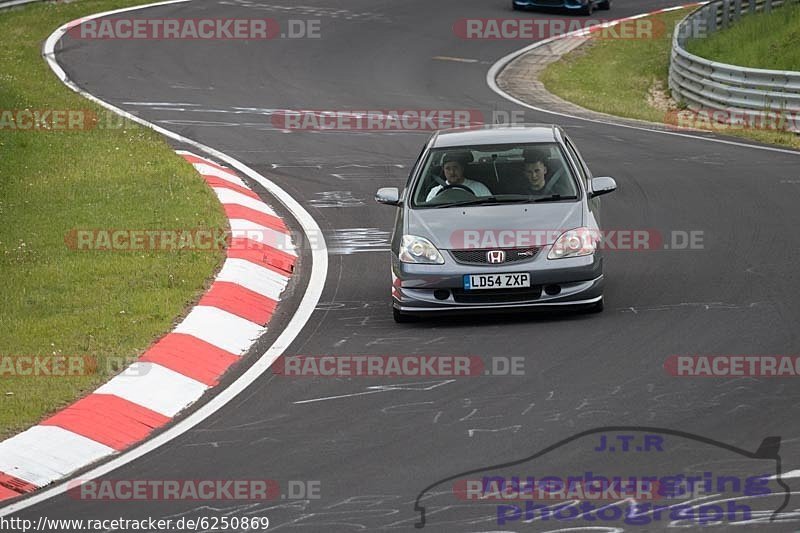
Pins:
x,y
488,200
555,198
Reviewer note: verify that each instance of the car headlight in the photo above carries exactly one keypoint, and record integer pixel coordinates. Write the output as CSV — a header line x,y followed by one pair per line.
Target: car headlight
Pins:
x,y
415,249
574,243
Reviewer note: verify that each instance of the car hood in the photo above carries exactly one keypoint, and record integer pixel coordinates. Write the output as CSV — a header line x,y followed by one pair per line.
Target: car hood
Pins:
x,y
494,226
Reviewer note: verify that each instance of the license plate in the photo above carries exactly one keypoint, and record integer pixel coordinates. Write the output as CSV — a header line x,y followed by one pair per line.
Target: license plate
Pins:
x,y
497,281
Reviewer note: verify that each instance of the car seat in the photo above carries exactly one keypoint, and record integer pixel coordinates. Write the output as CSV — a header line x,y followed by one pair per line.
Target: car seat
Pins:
x,y
512,178
558,180
482,173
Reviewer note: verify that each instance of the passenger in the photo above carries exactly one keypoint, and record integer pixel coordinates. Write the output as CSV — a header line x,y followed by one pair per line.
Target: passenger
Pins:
x,y
536,171
453,165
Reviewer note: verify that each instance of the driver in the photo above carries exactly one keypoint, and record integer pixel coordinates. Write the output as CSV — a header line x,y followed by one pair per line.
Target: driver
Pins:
x,y
453,169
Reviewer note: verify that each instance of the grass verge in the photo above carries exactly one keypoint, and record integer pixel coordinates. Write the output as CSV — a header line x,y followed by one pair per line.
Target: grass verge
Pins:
x,y
773,41
107,305
628,78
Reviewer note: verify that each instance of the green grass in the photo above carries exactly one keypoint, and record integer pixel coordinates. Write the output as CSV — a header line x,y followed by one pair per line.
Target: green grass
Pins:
x,y
772,41
615,76
54,300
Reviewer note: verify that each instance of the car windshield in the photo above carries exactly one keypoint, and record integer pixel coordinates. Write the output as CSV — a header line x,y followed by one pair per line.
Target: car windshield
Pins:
x,y
494,174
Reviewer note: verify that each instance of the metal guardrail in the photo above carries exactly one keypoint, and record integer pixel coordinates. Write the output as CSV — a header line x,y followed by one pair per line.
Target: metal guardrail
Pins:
x,y
11,3
739,91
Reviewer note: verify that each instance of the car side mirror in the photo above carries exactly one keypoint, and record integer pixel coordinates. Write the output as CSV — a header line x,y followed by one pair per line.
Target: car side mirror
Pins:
x,y
602,185
388,196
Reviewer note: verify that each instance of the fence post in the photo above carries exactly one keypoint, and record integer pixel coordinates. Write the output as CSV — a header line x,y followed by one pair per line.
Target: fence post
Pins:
x,y
767,6
737,9
712,18
726,12
751,5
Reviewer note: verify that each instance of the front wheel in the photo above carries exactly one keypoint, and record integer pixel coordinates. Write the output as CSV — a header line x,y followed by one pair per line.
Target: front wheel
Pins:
x,y
589,9
514,5
605,6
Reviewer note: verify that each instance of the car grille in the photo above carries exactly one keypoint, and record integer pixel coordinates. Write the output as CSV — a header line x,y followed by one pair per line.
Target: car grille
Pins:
x,y
496,296
554,3
478,257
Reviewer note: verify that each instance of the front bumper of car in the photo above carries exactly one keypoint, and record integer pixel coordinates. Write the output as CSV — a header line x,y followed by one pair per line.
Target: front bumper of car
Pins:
x,y
566,4
573,281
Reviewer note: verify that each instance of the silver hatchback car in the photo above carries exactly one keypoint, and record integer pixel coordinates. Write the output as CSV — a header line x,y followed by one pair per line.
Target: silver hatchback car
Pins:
x,y
497,218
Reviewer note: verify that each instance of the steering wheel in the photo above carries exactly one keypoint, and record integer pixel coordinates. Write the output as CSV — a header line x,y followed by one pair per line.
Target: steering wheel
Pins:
x,y
462,187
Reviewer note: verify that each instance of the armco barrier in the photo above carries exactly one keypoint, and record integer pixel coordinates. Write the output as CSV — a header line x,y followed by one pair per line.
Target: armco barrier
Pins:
x,y
739,91
12,3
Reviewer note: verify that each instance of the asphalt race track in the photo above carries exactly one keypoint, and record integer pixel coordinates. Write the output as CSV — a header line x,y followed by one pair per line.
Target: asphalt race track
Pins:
x,y
374,445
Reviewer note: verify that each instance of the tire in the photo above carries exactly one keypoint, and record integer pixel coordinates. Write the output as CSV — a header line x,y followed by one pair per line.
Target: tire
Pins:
x,y
514,6
402,318
589,9
605,6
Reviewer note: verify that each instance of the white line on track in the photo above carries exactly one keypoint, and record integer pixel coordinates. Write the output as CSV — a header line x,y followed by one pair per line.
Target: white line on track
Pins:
x,y
792,474
495,69
423,386
456,59
306,307
160,103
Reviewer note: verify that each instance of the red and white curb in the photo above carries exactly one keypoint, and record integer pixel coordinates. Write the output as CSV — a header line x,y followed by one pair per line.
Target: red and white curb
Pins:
x,y
178,369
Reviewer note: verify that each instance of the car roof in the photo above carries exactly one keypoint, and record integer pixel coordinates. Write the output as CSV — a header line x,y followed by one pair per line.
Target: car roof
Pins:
x,y
497,134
